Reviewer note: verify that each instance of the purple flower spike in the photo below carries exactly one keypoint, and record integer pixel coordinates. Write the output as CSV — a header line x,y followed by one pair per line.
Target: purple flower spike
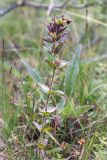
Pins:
x,y
56,31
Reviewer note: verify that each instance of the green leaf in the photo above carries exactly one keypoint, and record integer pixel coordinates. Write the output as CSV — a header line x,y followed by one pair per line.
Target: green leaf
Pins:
x,y
51,64
48,112
40,146
59,92
49,109
61,104
38,126
46,128
81,110
42,143
54,150
45,114
94,90
72,73
32,72
67,110
43,87
63,63
74,112
50,57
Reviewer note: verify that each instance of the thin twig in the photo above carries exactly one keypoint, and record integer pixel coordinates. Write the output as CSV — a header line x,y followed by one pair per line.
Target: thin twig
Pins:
x,y
3,72
88,18
23,3
50,8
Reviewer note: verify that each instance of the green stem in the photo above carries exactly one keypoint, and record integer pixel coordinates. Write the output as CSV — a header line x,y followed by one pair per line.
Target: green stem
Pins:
x,y
53,75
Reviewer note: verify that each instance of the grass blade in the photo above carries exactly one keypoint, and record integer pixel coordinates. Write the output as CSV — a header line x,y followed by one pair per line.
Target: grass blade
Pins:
x,y
72,73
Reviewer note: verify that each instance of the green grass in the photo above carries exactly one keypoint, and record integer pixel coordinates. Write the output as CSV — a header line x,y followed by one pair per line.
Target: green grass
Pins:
x,y
81,112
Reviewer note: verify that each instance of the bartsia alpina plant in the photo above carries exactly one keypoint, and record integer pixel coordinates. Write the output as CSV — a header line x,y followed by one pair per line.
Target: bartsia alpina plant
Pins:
x,y
53,43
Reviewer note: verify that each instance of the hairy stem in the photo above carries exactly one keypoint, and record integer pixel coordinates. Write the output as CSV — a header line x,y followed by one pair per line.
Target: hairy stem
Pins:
x,y
53,75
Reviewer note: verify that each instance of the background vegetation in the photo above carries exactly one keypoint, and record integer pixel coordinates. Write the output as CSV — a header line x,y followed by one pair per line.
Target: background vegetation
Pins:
x,y
78,127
